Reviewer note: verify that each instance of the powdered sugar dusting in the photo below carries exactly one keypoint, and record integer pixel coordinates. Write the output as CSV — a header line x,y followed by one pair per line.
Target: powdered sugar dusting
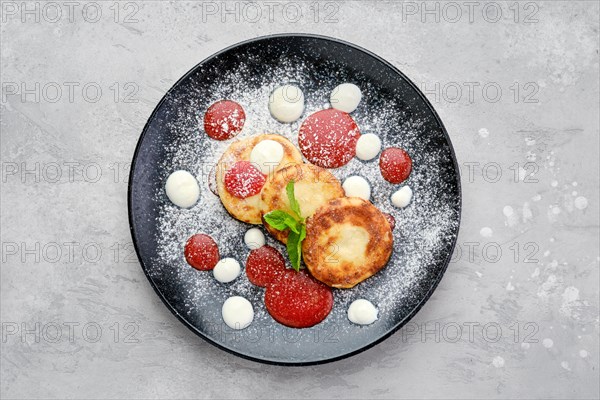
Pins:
x,y
424,231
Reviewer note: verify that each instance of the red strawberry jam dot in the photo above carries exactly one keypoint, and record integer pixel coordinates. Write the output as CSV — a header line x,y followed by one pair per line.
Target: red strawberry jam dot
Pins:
x,y
224,119
395,165
201,252
297,300
264,265
328,138
244,180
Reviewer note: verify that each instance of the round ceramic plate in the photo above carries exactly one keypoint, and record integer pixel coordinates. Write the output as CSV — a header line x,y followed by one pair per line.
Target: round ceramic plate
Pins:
x,y
392,107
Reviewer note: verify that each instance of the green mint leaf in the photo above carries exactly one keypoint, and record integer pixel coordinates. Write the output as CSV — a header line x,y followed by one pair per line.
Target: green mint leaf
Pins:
x,y
293,224
292,198
302,234
277,219
281,220
294,246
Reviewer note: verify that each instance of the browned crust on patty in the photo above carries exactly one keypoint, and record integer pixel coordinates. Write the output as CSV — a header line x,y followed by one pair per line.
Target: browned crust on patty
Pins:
x,y
314,186
344,268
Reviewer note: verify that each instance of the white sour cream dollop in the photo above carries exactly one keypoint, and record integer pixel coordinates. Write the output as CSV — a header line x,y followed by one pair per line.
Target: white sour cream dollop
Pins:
x,y
362,312
182,189
345,97
357,186
402,197
254,238
226,270
237,312
266,155
368,146
286,103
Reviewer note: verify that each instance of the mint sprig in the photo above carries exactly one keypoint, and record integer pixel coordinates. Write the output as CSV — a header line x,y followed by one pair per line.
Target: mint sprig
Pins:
x,y
289,189
282,220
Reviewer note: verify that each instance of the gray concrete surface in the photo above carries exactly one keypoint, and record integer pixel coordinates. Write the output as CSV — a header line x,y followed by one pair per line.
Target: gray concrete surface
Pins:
x,y
518,92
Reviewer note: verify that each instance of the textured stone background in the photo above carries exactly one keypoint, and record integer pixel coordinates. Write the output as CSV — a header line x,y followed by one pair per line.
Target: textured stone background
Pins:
x,y
526,137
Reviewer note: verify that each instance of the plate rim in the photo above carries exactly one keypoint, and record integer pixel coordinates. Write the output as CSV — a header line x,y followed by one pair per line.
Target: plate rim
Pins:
x,y
380,339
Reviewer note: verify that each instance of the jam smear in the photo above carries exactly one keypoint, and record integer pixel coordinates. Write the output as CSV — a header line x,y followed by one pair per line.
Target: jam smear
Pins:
x,y
224,119
297,300
264,265
201,252
244,180
395,165
328,138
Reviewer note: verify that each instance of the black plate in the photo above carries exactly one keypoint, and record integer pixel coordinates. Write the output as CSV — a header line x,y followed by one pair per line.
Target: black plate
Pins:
x,y
392,107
